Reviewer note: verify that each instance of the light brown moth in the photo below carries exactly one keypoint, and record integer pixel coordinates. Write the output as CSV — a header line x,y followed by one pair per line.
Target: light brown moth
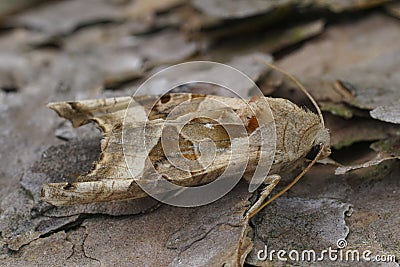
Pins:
x,y
299,133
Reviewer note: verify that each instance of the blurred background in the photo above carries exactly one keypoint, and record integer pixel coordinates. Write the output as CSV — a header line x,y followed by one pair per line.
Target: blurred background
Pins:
x,y
346,53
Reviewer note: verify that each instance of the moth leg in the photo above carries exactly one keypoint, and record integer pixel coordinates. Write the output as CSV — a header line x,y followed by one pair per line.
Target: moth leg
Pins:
x,y
270,182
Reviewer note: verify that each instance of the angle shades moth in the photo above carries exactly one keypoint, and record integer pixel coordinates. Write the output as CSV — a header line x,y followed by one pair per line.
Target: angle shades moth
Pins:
x,y
299,132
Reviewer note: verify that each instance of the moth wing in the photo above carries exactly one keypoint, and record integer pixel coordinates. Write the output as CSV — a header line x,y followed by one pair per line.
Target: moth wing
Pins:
x,y
110,179
106,112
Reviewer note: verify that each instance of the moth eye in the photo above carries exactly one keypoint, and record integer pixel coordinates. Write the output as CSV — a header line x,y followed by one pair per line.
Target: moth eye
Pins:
x,y
313,152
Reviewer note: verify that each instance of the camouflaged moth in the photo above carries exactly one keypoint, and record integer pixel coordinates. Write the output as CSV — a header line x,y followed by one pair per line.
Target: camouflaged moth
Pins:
x,y
299,133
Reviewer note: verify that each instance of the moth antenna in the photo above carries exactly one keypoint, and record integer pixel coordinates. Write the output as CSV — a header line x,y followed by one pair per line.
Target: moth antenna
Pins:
x,y
302,88
295,180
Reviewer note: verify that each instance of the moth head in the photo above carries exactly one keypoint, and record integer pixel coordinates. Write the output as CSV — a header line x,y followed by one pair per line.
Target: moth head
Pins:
x,y
321,141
